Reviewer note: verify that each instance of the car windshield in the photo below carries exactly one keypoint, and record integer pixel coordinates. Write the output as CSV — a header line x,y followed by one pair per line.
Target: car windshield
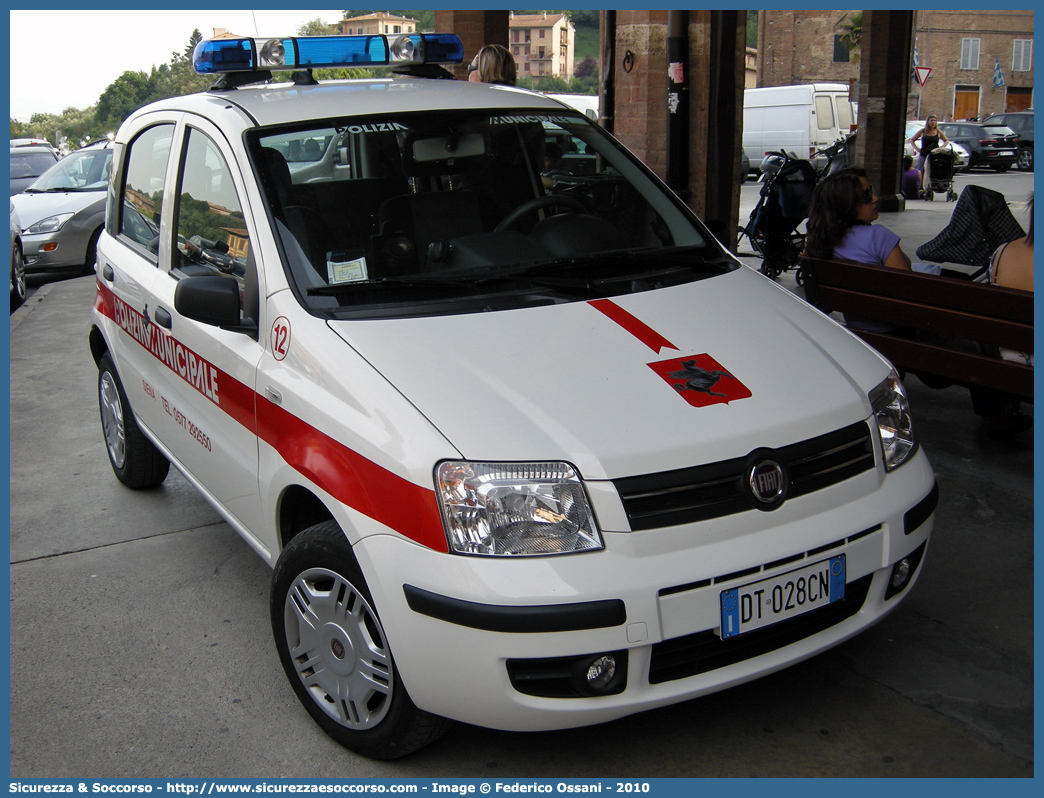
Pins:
x,y
83,170
470,211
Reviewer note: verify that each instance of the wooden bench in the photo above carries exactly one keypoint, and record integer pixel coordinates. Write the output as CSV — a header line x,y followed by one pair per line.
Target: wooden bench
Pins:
x,y
948,306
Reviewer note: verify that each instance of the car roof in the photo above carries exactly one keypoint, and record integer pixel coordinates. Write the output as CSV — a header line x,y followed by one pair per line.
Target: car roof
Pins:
x,y
24,148
283,103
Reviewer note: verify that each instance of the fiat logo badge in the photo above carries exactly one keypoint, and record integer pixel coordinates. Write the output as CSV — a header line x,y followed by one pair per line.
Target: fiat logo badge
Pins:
x,y
766,481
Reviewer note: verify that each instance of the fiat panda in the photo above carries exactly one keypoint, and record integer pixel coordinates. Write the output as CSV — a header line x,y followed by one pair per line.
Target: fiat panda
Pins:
x,y
524,445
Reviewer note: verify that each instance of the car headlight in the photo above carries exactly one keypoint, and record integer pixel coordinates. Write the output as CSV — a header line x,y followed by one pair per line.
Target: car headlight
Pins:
x,y
894,422
515,509
49,225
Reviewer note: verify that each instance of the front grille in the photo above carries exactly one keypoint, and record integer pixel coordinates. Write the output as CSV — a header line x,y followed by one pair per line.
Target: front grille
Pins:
x,y
705,651
709,491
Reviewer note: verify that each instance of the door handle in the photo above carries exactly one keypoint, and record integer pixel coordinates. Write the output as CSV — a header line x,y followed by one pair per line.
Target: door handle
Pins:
x,y
162,318
107,273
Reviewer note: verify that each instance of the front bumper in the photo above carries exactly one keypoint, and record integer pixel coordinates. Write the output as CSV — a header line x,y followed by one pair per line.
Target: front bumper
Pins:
x,y
459,626
52,251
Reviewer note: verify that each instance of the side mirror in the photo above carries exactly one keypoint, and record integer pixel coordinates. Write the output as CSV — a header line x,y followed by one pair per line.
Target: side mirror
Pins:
x,y
212,299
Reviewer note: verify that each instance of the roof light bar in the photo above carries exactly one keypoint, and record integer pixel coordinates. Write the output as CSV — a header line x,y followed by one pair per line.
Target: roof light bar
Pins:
x,y
216,56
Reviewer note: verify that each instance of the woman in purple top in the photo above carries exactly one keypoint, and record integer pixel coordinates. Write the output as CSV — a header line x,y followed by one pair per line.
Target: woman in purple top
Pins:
x,y
841,223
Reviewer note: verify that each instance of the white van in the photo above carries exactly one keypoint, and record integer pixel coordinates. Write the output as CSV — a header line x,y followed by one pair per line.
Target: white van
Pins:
x,y
799,119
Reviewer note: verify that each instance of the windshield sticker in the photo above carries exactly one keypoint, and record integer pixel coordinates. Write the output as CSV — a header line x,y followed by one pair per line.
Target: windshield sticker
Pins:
x,y
344,267
701,381
522,119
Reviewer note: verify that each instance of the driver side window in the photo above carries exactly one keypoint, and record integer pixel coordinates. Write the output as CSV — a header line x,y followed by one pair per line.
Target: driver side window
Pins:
x,y
212,235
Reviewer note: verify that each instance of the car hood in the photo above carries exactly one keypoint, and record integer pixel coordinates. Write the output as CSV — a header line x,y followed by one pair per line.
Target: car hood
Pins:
x,y
644,382
32,207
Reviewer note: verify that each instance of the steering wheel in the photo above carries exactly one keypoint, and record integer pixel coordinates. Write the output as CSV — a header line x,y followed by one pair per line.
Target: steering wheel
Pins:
x,y
510,221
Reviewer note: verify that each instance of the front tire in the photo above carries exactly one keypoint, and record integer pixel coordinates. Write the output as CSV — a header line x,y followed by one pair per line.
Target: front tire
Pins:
x,y
18,290
136,462
335,652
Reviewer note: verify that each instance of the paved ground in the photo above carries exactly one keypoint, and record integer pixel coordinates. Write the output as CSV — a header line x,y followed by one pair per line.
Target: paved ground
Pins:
x,y
140,643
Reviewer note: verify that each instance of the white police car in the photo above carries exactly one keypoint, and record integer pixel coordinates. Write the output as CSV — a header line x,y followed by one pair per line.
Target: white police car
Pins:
x,y
526,448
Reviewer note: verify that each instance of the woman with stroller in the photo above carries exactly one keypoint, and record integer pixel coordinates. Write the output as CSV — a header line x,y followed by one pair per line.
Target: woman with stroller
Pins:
x,y
930,137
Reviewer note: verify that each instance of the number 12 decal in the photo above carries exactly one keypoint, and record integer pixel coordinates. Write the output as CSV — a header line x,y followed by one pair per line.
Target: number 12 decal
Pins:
x,y
281,337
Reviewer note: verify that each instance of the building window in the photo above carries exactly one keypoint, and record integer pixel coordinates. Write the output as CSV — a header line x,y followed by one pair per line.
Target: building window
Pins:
x,y
840,51
970,53
514,35
542,32
1022,55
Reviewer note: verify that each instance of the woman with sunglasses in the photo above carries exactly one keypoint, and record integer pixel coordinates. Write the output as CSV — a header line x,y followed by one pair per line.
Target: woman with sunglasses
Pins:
x,y
841,223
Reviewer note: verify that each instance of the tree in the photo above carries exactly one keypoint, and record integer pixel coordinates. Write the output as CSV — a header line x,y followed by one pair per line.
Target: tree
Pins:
x,y
128,92
194,39
852,37
752,29
586,68
315,27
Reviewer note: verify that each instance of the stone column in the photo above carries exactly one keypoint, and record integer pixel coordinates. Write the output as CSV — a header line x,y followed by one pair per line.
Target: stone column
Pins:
x,y
884,82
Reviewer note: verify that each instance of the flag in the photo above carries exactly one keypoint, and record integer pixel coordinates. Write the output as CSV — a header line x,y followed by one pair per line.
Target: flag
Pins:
x,y
998,76
916,63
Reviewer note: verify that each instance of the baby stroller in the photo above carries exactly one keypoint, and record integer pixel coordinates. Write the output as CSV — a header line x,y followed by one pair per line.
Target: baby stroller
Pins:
x,y
981,221
940,163
782,206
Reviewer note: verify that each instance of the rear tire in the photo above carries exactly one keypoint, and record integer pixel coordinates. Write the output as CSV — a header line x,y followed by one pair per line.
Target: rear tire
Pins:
x,y
1026,159
335,652
136,462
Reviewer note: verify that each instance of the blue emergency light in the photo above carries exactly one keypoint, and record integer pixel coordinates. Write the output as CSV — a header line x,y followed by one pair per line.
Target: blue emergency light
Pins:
x,y
217,56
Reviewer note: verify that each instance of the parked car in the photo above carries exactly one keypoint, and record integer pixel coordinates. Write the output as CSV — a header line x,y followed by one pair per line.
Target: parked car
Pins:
x,y
963,156
28,162
1022,123
17,263
62,212
514,456
994,146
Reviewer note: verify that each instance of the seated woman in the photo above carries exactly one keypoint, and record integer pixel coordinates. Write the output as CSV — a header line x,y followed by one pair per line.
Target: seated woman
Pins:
x,y
1012,264
841,225
1012,267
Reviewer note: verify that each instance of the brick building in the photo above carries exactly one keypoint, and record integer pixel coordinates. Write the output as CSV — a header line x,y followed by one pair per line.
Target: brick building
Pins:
x,y
377,22
963,49
542,44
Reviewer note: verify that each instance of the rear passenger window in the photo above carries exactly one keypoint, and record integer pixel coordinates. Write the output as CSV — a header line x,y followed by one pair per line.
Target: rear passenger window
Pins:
x,y
143,187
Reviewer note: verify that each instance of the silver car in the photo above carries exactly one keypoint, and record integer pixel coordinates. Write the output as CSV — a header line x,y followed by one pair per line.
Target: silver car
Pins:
x,y
62,213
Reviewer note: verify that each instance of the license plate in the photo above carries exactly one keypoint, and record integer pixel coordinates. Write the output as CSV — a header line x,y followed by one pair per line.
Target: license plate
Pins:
x,y
1006,152
760,604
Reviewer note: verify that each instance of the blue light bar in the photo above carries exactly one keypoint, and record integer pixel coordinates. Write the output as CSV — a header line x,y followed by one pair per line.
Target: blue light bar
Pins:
x,y
325,52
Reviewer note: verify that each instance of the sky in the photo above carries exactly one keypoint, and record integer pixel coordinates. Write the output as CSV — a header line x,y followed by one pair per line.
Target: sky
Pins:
x,y
72,61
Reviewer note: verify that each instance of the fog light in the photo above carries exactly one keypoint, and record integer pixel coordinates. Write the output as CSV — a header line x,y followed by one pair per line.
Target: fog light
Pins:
x,y
601,672
901,574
